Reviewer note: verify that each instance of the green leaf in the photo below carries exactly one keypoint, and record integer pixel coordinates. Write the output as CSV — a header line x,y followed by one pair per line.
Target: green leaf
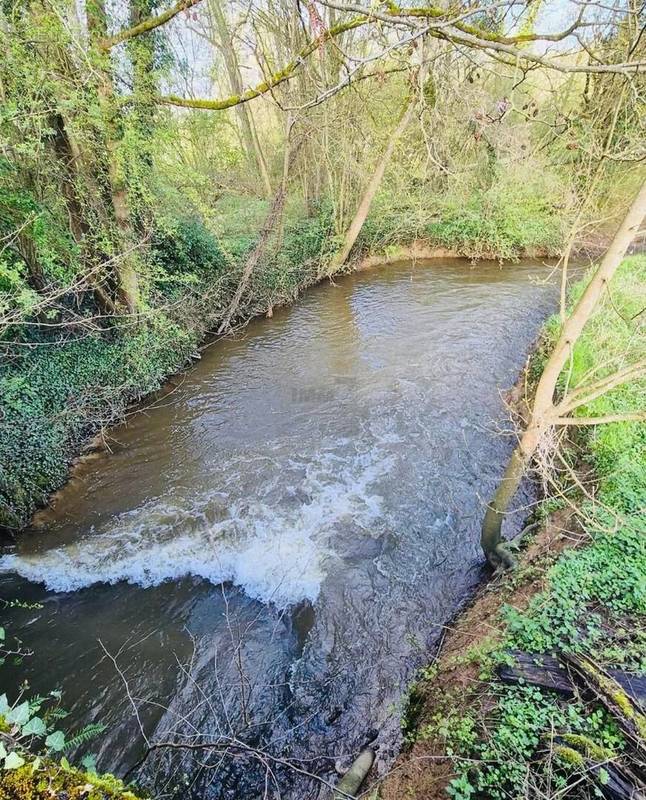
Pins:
x,y
604,777
18,715
89,763
3,751
65,764
4,704
55,741
35,764
35,727
13,761
2,634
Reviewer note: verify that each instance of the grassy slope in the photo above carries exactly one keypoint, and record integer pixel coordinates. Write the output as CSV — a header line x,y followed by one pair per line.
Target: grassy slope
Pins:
x,y
580,588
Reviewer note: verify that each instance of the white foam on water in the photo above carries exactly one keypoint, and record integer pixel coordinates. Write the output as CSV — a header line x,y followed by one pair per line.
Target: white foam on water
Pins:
x,y
275,551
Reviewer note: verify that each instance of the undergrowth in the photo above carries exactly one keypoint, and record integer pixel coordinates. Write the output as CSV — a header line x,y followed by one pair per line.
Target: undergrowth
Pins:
x,y
512,217
46,781
56,391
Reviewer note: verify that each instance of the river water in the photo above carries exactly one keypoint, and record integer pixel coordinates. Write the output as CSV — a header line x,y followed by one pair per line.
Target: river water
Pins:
x,y
269,552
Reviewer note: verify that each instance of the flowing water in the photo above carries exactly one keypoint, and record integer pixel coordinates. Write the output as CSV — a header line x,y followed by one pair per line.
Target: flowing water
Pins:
x,y
269,551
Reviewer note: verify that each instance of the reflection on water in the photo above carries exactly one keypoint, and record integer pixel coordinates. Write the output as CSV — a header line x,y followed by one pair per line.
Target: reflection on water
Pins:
x,y
271,547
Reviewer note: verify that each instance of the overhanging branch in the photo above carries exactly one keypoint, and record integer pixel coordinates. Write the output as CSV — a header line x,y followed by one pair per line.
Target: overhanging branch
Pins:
x,y
272,81
474,42
456,30
583,395
146,25
453,31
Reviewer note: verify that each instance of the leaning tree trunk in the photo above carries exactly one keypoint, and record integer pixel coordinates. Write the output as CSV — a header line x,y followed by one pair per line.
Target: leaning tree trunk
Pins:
x,y
273,222
371,190
543,414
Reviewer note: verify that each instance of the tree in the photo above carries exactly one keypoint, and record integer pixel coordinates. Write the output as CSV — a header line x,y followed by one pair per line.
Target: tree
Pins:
x,y
373,187
247,124
97,25
546,412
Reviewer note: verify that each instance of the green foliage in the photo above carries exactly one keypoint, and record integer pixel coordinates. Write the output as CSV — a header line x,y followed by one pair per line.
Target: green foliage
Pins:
x,y
184,252
30,727
307,243
608,576
85,735
52,397
584,587
523,719
518,213
42,779
458,732
33,738
613,339
15,294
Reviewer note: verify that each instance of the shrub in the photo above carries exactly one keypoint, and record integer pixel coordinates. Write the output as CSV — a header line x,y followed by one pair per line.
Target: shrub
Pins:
x,y
184,251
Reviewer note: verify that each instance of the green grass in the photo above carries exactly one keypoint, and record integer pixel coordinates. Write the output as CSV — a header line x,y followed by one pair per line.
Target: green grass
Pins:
x,y
615,338
595,596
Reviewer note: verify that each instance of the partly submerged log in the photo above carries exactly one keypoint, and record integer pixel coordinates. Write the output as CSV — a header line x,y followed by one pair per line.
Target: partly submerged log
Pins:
x,y
351,782
622,694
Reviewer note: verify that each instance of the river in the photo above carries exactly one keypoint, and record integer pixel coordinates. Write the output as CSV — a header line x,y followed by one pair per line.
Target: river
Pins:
x,y
269,551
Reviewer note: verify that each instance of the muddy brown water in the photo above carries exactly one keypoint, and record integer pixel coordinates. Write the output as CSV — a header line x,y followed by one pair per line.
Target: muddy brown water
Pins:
x,y
271,549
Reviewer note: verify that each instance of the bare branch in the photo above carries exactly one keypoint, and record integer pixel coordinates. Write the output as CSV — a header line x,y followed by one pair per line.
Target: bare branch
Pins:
x,y
273,80
586,394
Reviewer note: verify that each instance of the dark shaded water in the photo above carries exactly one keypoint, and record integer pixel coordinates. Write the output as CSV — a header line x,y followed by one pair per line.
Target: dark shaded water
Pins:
x,y
271,549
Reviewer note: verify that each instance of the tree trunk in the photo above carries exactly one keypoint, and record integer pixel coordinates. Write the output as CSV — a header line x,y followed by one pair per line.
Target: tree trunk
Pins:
x,y
272,222
543,414
247,127
74,178
141,50
126,260
371,190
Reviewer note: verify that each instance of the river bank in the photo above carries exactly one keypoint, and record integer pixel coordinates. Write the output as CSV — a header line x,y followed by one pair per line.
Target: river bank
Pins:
x,y
577,585
58,392
579,589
